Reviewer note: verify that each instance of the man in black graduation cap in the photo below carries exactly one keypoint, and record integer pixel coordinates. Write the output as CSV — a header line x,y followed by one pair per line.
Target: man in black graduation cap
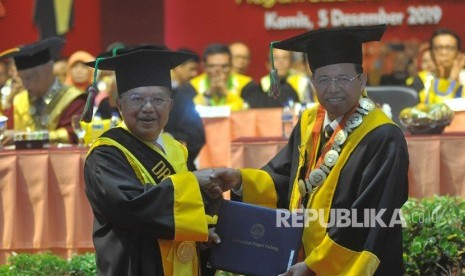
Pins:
x,y
184,122
47,103
148,208
345,156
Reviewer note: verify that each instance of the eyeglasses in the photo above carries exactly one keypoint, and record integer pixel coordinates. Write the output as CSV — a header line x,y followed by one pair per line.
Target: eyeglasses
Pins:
x,y
137,101
324,82
447,48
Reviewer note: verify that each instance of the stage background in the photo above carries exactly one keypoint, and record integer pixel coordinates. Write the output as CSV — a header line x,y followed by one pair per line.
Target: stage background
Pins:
x,y
195,24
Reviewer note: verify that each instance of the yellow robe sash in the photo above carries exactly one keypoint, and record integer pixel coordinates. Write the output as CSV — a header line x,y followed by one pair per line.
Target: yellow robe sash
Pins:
x,y
315,239
23,120
323,253
191,223
437,90
236,83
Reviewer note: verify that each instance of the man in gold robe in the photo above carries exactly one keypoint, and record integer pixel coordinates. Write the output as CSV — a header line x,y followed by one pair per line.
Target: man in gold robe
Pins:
x,y
218,85
447,81
149,210
344,155
46,103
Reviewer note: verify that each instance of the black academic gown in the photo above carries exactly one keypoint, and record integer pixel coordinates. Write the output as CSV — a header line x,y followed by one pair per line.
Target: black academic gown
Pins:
x,y
132,219
185,123
373,177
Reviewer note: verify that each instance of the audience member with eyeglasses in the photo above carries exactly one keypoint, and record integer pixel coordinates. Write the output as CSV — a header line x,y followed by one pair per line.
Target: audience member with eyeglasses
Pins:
x,y
218,85
149,209
45,103
447,81
344,156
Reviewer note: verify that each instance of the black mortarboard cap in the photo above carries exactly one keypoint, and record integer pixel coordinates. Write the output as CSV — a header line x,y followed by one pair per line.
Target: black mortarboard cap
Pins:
x,y
33,55
120,49
142,68
333,45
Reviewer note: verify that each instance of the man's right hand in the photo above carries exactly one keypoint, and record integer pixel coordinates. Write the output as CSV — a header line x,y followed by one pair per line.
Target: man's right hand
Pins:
x,y
458,65
216,181
211,188
227,178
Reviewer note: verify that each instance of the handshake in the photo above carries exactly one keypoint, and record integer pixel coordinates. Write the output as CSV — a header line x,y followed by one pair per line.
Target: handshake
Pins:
x,y
213,182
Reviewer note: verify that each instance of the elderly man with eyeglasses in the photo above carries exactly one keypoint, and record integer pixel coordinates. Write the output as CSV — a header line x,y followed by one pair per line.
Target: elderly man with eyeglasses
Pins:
x,y
448,79
345,156
149,210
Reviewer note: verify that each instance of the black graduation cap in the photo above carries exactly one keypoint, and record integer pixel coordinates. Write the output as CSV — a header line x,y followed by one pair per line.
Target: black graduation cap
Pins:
x,y
135,66
142,67
33,55
121,48
333,45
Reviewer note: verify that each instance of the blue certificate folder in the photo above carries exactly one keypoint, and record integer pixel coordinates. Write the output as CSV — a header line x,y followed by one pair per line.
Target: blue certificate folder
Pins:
x,y
251,242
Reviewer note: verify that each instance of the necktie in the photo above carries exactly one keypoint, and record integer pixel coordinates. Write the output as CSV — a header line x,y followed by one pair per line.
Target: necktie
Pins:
x,y
325,135
328,131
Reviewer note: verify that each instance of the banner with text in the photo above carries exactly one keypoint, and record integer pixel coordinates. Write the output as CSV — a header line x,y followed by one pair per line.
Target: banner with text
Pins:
x,y
257,22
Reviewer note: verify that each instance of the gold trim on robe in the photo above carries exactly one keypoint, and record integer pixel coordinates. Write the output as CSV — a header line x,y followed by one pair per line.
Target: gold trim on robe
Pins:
x,y
315,238
179,256
23,120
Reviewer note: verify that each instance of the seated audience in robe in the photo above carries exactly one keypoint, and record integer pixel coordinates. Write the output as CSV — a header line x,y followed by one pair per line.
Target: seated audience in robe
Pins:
x,y
46,103
448,79
218,85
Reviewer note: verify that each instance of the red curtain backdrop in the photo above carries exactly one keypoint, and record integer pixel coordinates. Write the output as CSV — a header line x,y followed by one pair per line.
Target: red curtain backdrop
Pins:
x,y
17,26
195,24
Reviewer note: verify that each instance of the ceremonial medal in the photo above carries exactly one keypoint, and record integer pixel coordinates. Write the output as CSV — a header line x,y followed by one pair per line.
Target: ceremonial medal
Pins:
x,y
354,120
340,137
331,158
302,188
323,168
362,111
367,104
316,177
185,252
